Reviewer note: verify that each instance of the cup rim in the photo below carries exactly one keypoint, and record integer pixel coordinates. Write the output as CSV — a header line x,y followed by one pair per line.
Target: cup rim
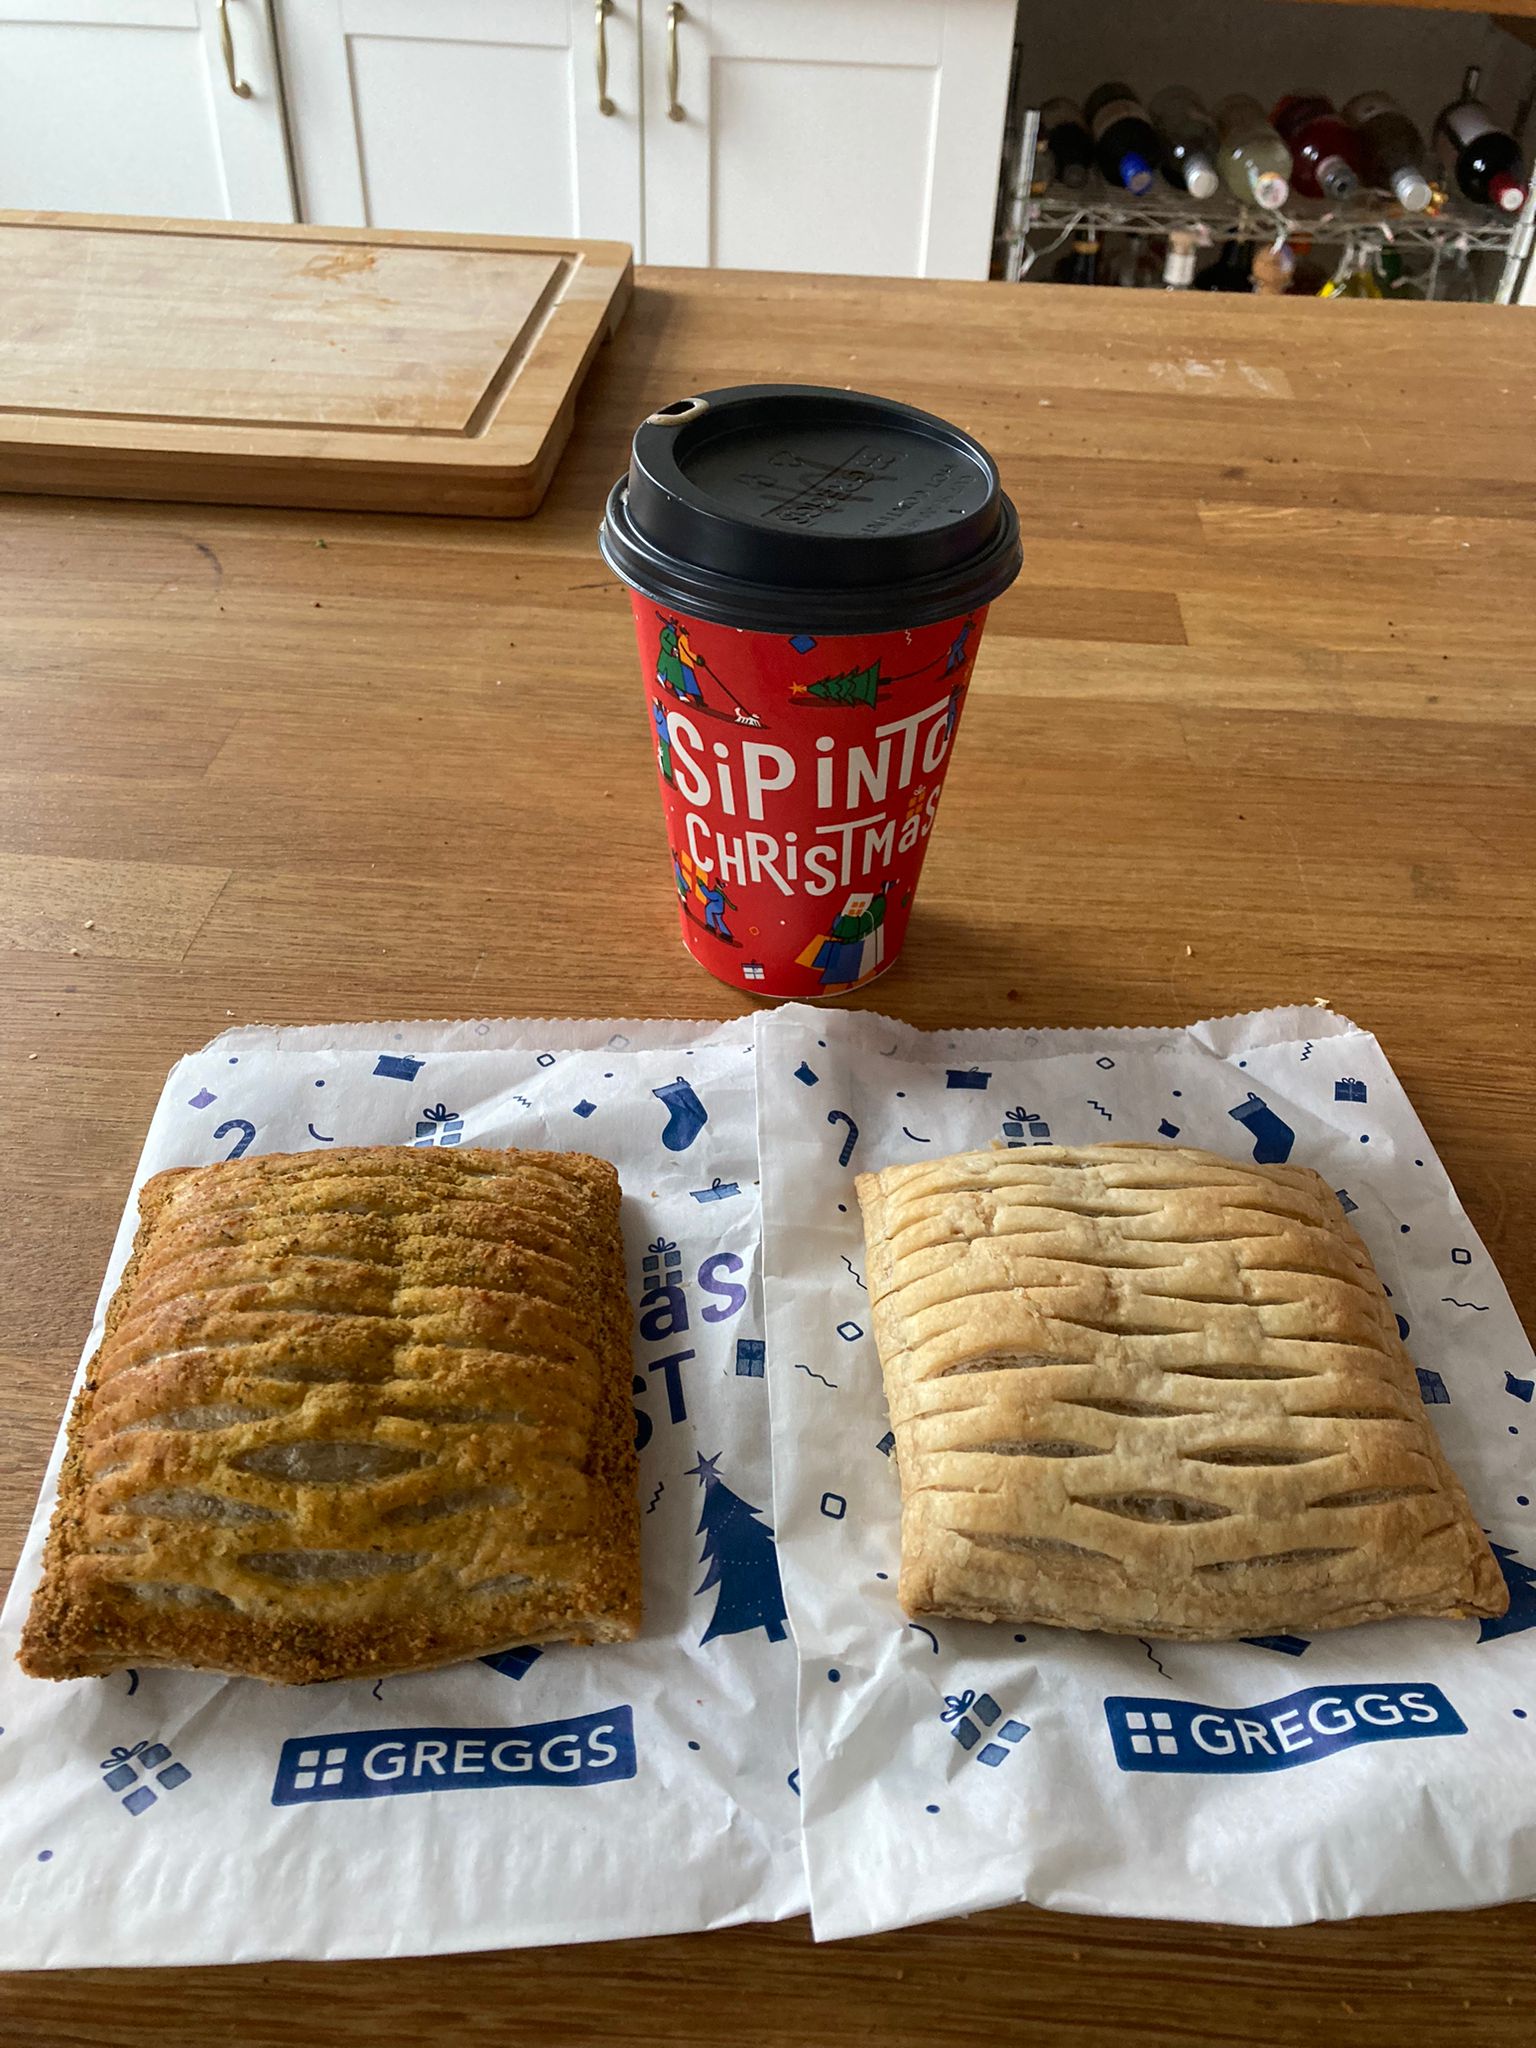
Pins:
x,y
721,600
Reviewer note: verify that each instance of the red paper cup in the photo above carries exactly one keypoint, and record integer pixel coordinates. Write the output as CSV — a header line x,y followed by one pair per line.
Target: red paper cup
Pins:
x,y
810,573
800,778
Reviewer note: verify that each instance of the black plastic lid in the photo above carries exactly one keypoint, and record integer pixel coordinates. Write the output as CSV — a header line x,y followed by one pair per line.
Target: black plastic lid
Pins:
x,y
782,507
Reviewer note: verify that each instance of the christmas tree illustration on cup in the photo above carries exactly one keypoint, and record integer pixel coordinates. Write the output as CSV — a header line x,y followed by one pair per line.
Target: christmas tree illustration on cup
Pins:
x,y
743,1565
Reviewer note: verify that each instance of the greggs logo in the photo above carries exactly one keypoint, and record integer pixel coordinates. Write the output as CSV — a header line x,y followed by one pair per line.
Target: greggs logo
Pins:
x,y
1301,1728
381,1763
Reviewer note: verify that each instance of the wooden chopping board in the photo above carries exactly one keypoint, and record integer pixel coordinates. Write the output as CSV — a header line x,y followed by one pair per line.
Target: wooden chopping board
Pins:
x,y
356,368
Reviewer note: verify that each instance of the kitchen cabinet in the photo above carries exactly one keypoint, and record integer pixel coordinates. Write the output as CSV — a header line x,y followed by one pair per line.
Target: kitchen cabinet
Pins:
x,y
832,135
466,115
827,135
799,135
142,106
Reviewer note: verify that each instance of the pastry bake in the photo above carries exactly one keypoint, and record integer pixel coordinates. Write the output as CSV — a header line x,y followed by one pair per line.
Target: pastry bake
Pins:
x,y
1146,1389
353,1412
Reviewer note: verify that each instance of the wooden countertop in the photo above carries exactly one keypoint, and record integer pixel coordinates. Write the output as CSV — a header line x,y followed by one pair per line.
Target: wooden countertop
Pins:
x,y
1256,726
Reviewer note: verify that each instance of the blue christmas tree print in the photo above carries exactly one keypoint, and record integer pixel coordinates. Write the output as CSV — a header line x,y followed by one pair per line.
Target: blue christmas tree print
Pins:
x,y
743,1564
1521,1581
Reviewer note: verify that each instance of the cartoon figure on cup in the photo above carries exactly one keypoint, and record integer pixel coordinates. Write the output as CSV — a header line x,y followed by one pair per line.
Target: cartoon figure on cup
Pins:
x,y
663,743
676,663
684,886
716,903
956,655
855,946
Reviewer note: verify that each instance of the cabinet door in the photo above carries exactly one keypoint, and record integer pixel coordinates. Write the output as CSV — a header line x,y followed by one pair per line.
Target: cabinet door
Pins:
x,y
834,135
126,106
471,115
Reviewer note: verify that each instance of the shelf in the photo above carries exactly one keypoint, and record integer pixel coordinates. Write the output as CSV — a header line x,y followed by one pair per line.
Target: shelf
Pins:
x,y
1032,224
1457,227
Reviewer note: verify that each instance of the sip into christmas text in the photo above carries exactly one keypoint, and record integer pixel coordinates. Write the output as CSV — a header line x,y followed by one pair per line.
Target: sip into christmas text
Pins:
x,y
739,778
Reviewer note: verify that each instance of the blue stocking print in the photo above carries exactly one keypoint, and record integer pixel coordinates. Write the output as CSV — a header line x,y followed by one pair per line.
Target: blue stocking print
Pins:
x,y
1272,1135
686,1115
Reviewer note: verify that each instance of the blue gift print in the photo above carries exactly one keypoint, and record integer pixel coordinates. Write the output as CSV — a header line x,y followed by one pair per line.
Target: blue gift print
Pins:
x,y
125,1767
398,1066
962,1711
1025,1127
662,1263
438,1126
515,1663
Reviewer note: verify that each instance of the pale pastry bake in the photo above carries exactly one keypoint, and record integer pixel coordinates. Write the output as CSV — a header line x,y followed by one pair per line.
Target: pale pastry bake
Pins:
x,y
1150,1390
354,1412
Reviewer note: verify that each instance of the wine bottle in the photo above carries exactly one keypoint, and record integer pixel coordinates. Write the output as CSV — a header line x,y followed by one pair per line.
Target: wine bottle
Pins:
x,y
1179,262
1273,269
1124,140
1189,140
1231,272
1327,158
1080,265
1065,133
1487,164
1253,161
1394,148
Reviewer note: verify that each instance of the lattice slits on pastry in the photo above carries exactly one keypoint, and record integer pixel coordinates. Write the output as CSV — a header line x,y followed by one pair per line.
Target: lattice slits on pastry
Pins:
x,y
1148,1389
360,1411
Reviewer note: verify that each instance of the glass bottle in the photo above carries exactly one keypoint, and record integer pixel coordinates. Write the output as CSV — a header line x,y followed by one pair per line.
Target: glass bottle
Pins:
x,y
1394,148
1124,141
1253,161
1080,265
1327,155
1189,140
1231,272
1486,164
1065,133
1179,261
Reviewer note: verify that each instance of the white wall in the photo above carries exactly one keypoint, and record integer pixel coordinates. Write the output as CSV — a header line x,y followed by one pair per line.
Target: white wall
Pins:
x,y
1268,47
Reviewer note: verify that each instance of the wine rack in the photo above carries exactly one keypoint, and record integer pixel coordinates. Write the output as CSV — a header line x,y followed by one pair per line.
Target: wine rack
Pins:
x,y
1033,224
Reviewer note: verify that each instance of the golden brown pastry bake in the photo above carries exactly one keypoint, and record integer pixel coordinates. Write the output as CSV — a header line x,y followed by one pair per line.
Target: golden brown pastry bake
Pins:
x,y
1150,1390
353,1412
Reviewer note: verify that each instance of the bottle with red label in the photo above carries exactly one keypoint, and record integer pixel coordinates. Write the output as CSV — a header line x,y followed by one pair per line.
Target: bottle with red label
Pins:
x,y
1487,165
1327,156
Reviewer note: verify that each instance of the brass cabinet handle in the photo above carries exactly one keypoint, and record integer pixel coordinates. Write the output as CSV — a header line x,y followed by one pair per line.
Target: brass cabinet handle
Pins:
x,y
237,85
604,104
674,104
